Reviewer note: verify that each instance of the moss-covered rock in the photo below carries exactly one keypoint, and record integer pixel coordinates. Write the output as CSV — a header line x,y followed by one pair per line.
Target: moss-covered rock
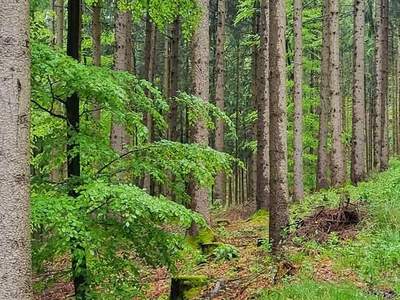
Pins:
x,y
205,236
187,287
208,248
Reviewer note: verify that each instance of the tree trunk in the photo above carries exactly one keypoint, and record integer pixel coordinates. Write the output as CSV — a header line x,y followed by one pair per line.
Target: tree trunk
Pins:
x,y
15,257
174,79
379,85
262,194
200,81
59,24
219,190
385,86
279,214
96,38
324,110
149,64
123,62
79,268
338,159
298,101
358,167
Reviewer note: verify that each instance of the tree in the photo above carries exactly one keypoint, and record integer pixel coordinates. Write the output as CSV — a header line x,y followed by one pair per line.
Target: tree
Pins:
x,y
59,28
324,111
15,257
298,101
262,187
219,189
358,159
279,214
96,40
337,159
200,52
384,163
123,62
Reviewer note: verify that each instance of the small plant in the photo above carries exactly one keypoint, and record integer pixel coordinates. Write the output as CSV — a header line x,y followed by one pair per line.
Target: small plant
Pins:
x,y
225,252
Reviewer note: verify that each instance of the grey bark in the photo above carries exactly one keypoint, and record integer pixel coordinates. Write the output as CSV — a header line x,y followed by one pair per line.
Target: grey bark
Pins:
x,y
279,214
59,23
337,156
15,252
123,62
324,109
219,190
298,101
262,186
200,83
358,150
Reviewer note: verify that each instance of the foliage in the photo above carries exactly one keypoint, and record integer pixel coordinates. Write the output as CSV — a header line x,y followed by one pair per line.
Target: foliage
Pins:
x,y
225,252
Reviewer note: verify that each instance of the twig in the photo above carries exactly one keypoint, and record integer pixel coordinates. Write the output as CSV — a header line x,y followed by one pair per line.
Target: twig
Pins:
x,y
49,111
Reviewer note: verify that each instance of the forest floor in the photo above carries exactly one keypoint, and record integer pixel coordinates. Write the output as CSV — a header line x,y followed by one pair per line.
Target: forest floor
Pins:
x,y
342,244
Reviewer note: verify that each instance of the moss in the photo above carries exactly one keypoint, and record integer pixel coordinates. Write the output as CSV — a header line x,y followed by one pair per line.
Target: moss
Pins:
x,y
208,248
189,286
205,236
260,216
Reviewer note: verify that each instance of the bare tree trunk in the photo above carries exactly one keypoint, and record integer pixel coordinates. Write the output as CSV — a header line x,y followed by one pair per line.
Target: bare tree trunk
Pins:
x,y
15,257
379,86
252,160
298,101
338,159
200,81
279,214
385,86
59,23
150,43
324,110
123,62
174,80
96,38
358,149
219,189
262,194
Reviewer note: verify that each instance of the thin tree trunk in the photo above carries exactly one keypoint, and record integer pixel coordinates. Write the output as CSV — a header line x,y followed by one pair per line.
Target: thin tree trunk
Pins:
x,y
59,23
96,38
358,149
174,80
298,101
150,43
324,110
385,86
337,159
262,194
279,214
200,81
219,189
79,267
15,257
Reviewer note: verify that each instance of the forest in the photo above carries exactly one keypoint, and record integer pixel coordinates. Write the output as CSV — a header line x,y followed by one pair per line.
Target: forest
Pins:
x,y
199,149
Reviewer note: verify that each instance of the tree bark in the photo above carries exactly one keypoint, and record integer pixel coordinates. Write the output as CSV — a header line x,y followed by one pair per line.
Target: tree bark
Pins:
x,y
324,109
298,101
358,167
79,267
123,62
200,82
219,190
384,164
262,194
338,159
59,23
379,85
96,39
15,251
279,214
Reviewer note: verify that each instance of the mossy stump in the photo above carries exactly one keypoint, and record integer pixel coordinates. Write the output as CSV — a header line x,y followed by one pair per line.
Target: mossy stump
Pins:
x,y
187,287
